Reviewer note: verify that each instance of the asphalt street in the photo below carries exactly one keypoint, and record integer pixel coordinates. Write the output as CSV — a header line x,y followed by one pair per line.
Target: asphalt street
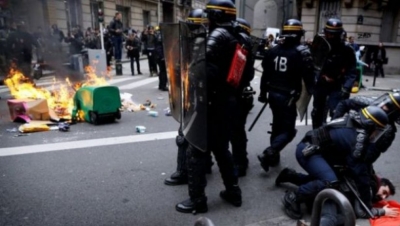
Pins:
x,y
111,175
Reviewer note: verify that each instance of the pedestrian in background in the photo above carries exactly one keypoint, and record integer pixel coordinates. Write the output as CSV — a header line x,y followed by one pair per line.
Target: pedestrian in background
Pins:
x,y
116,31
379,58
149,40
133,47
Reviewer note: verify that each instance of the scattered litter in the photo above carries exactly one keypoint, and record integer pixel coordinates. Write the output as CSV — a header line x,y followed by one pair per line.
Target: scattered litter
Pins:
x,y
63,126
13,130
147,109
21,135
160,98
29,128
147,103
153,113
163,174
140,129
167,111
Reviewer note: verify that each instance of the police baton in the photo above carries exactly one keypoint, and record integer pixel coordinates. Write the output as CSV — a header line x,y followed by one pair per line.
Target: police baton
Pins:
x,y
358,198
258,116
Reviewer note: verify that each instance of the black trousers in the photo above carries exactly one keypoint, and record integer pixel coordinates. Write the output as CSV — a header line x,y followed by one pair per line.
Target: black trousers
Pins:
x,y
135,57
239,136
379,69
162,76
152,61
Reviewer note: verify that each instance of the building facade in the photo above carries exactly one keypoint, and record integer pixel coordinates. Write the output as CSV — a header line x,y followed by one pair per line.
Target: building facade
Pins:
x,y
136,14
368,21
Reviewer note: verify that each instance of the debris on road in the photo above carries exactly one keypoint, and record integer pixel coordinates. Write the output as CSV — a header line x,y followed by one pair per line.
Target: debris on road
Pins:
x,y
31,128
13,130
153,113
167,111
129,105
140,129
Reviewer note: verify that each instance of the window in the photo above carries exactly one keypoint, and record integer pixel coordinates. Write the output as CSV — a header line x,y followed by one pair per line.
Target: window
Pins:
x,y
146,18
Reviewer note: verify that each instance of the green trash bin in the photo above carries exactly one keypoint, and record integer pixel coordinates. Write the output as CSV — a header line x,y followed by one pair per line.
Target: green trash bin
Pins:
x,y
97,104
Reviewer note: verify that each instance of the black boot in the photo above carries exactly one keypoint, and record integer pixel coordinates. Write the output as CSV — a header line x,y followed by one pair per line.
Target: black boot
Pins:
x,y
197,203
180,176
194,206
291,202
177,178
269,157
286,175
232,195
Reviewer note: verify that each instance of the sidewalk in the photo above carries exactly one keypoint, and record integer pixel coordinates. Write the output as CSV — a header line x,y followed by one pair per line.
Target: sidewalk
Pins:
x,y
388,84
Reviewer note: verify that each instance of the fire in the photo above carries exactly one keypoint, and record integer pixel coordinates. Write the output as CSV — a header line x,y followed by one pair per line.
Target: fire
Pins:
x,y
59,97
186,86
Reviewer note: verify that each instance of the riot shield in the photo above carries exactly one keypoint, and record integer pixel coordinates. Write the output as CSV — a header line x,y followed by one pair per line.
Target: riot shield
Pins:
x,y
170,39
320,49
194,83
303,102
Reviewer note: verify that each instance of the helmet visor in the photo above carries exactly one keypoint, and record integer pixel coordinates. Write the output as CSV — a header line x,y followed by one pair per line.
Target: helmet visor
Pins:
x,y
389,104
377,133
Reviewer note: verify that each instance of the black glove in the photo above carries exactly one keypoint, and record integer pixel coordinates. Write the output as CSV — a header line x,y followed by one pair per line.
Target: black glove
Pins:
x,y
263,98
345,94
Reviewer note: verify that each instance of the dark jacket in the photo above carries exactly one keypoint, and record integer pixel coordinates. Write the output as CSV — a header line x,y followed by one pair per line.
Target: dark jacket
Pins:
x,y
379,55
133,47
284,68
114,26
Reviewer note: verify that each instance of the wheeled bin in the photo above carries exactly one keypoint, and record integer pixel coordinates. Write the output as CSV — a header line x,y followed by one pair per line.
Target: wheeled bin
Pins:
x,y
97,104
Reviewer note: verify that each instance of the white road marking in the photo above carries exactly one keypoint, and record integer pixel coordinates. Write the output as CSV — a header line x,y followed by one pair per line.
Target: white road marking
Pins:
x,y
139,83
31,149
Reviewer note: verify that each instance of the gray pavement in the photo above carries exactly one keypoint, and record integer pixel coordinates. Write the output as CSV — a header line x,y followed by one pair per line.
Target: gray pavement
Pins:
x,y
110,175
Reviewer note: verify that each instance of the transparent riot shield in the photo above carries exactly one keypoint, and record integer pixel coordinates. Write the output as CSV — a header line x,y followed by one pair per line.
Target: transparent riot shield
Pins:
x,y
170,39
194,83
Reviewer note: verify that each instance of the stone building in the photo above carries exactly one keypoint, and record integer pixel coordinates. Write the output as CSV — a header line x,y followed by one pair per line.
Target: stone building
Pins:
x,y
67,13
369,21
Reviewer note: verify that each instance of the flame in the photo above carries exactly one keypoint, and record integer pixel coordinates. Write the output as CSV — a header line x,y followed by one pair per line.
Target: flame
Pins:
x,y
59,97
186,85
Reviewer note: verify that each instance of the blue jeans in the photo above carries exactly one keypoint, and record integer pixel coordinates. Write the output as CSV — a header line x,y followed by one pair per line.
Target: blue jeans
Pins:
x,y
118,47
317,167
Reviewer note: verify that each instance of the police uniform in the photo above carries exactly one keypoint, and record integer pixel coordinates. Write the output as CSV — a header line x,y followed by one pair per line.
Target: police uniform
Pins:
x,y
337,75
285,67
390,103
221,110
180,175
340,142
244,97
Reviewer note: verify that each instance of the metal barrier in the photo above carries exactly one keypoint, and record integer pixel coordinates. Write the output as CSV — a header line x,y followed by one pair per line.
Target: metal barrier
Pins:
x,y
203,221
342,202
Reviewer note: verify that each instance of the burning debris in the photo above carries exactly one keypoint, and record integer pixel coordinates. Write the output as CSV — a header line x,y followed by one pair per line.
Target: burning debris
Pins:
x,y
59,97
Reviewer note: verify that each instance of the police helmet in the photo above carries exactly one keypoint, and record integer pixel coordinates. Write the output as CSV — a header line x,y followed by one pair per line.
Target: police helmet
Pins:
x,y
292,28
197,16
373,117
390,103
244,25
220,11
333,29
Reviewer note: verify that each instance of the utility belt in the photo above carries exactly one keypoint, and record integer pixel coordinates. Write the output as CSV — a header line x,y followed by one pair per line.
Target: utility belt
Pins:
x,y
283,90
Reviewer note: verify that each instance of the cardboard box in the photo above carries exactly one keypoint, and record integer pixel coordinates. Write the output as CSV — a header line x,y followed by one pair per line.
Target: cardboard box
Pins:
x,y
28,109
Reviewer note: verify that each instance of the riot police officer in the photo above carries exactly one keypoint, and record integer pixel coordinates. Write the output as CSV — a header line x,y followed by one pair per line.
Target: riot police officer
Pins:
x,y
244,97
179,177
390,103
337,75
340,142
221,110
285,66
